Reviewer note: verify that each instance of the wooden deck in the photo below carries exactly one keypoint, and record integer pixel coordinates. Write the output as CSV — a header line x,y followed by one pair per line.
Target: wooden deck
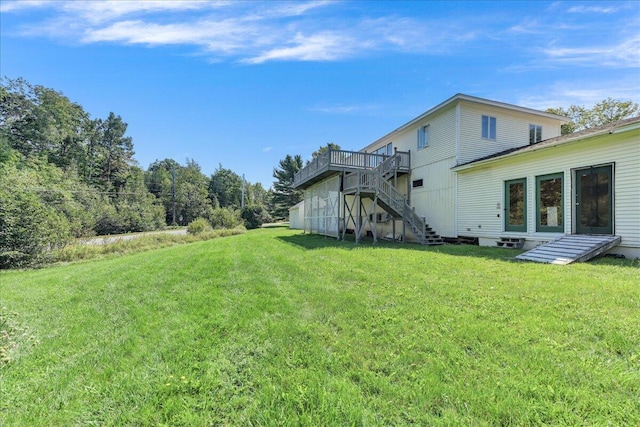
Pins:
x,y
571,248
332,162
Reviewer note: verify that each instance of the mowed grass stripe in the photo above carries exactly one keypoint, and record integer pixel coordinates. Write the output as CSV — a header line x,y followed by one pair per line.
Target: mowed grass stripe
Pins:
x,y
277,328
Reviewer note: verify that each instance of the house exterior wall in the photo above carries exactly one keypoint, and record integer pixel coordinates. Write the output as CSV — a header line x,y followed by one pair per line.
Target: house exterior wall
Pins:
x,y
481,189
435,200
512,130
455,137
296,216
322,207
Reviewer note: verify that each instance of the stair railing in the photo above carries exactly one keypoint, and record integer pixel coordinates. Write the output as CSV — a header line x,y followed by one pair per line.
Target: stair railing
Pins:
x,y
374,179
396,201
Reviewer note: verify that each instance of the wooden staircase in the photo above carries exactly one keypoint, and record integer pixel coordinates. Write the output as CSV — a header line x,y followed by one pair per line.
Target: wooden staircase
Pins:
x,y
571,248
375,184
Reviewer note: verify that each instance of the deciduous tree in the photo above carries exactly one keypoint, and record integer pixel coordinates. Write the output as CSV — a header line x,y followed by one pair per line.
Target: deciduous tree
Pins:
x,y
608,110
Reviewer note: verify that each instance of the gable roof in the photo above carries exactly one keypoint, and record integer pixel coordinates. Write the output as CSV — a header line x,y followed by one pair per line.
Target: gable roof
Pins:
x,y
462,97
610,128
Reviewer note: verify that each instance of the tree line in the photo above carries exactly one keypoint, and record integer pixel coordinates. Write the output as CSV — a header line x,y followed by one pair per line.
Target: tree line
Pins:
x,y
64,175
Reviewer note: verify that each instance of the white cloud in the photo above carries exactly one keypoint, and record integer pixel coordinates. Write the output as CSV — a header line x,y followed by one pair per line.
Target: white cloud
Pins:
x,y
325,46
586,93
17,5
216,36
297,8
626,53
102,11
259,32
250,32
345,109
267,149
594,9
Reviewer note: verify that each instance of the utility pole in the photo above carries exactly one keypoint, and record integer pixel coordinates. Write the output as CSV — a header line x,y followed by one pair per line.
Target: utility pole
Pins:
x,y
173,193
242,203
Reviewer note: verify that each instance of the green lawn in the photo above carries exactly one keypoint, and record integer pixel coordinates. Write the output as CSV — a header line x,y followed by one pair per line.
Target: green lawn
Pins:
x,y
276,328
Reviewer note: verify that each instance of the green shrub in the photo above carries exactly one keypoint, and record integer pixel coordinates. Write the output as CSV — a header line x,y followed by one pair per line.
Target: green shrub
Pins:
x,y
225,218
30,227
198,225
255,216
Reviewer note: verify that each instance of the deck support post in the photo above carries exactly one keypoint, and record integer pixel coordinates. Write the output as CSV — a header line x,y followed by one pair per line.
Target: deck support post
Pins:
x,y
393,228
374,226
359,217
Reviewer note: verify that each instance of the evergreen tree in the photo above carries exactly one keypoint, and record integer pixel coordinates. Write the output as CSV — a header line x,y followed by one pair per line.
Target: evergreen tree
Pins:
x,y
284,195
225,186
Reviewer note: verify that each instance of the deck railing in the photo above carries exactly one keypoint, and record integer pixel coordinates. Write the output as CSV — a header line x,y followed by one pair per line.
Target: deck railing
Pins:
x,y
373,180
401,160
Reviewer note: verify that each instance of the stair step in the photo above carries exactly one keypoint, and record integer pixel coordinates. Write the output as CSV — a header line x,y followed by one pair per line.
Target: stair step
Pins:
x,y
510,242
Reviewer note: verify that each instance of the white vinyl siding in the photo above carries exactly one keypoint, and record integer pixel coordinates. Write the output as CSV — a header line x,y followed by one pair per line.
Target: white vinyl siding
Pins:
x,y
512,132
322,207
296,216
436,199
481,194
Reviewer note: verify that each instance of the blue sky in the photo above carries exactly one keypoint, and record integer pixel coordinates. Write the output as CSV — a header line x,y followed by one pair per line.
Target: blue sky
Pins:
x,y
243,84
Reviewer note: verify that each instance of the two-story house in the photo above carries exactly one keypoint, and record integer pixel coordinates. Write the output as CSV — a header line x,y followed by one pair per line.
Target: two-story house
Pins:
x,y
472,167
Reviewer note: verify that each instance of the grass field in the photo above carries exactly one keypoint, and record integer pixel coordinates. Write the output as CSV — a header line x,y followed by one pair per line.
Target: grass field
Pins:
x,y
275,328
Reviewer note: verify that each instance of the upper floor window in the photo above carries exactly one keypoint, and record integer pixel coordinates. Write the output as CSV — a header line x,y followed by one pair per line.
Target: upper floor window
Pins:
x,y
488,127
423,137
535,134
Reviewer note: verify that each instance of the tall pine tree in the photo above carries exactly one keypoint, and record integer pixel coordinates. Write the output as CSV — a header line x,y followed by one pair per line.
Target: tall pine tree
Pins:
x,y
284,195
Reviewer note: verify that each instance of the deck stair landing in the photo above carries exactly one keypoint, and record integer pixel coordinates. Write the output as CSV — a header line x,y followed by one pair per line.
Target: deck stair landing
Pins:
x,y
571,248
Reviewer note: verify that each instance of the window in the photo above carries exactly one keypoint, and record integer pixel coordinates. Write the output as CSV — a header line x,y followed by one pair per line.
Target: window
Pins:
x,y
549,192
417,183
515,204
535,134
386,150
423,137
488,127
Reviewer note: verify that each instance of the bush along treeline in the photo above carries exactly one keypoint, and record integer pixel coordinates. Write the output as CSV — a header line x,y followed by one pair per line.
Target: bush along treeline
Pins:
x,y
65,175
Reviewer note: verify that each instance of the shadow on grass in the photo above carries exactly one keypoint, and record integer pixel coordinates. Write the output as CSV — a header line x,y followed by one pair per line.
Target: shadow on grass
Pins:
x,y
275,225
315,241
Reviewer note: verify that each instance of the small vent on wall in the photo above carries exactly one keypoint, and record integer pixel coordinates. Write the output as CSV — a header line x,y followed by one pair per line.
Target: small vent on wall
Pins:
x,y
417,183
